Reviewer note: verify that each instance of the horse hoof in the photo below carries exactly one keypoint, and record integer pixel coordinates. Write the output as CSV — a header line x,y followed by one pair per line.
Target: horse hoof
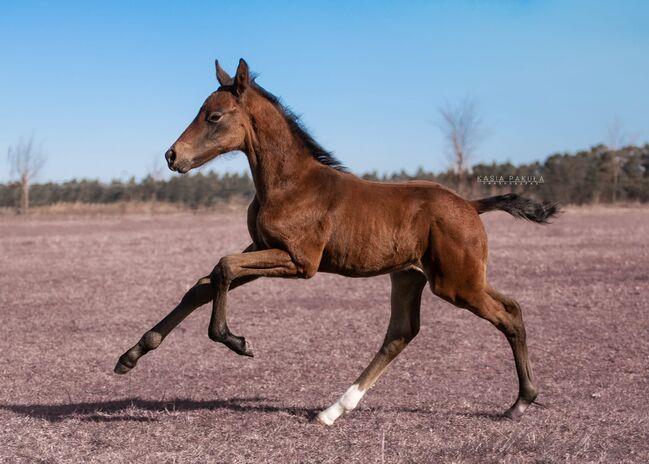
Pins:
x,y
246,350
237,344
121,368
515,413
322,421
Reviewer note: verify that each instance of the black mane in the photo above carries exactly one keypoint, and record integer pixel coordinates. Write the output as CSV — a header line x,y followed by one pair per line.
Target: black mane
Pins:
x,y
297,128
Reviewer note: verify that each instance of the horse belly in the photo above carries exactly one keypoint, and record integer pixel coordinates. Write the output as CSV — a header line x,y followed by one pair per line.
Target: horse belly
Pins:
x,y
370,251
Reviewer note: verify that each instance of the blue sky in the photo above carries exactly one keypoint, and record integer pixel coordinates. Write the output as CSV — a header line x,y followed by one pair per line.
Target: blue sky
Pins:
x,y
108,86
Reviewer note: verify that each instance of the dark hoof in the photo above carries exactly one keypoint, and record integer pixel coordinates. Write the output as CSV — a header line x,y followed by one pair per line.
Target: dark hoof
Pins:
x,y
243,347
121,368
247,349
239,345
517,410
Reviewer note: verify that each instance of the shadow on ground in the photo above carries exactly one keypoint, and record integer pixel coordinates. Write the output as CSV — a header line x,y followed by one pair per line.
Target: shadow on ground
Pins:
x,y
111,411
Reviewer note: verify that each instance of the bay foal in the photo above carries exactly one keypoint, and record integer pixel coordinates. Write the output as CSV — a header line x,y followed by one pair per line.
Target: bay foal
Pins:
x,y
309,215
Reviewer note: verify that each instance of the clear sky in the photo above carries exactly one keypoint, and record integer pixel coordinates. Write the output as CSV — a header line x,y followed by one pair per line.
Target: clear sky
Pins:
x,y
108,86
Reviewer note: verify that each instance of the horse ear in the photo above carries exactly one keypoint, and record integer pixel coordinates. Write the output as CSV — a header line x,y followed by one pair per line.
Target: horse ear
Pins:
x,y
242,77
221,76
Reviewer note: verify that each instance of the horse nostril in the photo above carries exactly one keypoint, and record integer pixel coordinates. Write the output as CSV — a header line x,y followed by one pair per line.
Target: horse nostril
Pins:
x,y
170,156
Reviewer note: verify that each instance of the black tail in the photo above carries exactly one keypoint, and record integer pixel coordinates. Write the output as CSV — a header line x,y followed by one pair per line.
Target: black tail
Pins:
x,y
519,207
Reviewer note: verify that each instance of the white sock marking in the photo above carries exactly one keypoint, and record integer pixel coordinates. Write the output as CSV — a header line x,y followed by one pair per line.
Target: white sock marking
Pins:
x,y
345,403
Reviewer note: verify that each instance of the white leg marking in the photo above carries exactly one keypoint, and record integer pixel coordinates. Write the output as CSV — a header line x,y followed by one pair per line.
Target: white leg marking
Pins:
x,y
346,403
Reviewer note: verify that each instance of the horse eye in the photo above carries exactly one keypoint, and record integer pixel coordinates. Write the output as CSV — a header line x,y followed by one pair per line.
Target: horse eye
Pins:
x,y
214,117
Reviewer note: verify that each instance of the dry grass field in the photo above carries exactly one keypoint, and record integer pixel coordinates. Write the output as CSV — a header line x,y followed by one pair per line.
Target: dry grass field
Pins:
x,y
76,293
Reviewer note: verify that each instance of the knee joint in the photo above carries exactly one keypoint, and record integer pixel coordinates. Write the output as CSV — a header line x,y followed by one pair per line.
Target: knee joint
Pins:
x,y
414,330
407,332
222,273
410,336
394,347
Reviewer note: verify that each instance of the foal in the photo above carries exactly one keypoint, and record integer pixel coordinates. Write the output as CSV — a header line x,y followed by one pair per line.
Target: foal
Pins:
x,y
310,215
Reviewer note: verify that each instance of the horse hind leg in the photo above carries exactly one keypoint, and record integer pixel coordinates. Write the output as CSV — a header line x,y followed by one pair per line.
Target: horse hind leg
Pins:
x,y
514,329
405,300
505,314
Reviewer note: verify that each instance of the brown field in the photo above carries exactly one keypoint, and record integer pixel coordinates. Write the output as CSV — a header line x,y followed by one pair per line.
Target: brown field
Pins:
x,y
76,293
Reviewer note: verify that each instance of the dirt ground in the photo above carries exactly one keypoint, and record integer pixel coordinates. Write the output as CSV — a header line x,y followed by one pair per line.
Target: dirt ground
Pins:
x,y
76,293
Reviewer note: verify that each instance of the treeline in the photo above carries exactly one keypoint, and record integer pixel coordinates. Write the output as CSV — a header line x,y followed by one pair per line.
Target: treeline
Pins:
x,y
599,175
194,191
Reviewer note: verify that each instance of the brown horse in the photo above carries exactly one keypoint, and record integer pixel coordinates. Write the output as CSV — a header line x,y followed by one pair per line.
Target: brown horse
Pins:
x,y
310,215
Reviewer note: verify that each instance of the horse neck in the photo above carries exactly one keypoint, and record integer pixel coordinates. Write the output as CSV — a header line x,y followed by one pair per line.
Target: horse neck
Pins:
x,y
278,160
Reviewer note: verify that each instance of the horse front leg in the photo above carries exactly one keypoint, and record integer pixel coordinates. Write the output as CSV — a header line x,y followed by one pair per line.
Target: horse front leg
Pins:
x,y
405,302
266,263
201,293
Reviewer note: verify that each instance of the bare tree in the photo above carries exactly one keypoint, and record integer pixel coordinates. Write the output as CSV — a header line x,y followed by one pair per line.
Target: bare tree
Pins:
x,y
462,127
157,168
156,172
25,161
618,138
